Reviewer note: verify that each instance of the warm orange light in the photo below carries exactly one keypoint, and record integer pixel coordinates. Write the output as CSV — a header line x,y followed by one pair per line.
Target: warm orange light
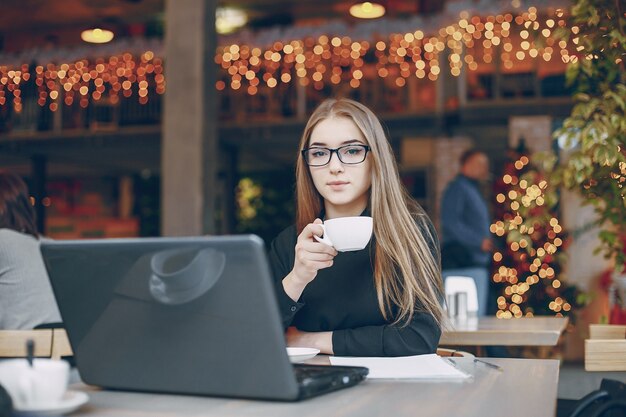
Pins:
x,y
97,35
367,10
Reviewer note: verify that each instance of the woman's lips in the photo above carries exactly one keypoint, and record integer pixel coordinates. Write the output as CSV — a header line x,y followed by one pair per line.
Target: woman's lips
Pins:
x,y
337,185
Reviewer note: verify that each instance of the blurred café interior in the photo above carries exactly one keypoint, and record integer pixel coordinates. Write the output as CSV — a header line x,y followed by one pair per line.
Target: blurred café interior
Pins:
x,y
137,118
84,122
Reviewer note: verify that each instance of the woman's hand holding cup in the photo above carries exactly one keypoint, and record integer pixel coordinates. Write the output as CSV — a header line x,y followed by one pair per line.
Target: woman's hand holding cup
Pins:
x,y
311,256
313,252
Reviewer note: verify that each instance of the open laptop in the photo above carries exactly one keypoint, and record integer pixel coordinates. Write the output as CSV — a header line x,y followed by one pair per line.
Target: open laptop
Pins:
x,y
180,315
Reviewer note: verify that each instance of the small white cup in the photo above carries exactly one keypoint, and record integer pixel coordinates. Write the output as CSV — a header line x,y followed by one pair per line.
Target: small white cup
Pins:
x,y
39,386
347,233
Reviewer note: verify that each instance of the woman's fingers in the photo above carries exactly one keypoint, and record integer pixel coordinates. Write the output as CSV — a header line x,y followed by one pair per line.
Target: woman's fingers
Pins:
x,y
307,256
310,230
307,243
316,247
311,256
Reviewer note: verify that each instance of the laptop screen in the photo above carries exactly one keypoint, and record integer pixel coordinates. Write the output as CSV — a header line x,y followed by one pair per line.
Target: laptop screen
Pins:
x,y
177,315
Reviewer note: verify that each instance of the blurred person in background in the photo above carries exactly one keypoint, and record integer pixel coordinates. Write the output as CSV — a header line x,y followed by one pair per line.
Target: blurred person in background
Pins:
x,y
466,240
26,298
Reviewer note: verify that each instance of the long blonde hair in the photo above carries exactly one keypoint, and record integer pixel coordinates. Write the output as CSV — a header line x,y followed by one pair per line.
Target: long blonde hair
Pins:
x,y
407,275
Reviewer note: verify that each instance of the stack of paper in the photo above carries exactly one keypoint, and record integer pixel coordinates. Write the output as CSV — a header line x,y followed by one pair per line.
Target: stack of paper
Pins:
x,y
411,367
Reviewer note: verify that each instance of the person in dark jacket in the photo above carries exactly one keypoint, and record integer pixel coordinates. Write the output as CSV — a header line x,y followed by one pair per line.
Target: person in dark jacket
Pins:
x,y
465,221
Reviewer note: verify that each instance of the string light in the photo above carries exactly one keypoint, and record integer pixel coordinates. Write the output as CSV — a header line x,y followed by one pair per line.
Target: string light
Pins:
x,y
318,61
84,79
529,239
409,54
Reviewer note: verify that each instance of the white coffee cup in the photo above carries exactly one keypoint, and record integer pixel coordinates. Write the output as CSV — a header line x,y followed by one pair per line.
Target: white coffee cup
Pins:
x,y
347,233
39,386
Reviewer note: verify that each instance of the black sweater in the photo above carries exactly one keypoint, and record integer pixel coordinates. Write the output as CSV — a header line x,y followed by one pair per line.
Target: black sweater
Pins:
x,y
342,299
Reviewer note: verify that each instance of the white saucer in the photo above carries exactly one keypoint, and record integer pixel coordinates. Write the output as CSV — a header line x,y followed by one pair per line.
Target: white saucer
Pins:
x,y
299,354
71,401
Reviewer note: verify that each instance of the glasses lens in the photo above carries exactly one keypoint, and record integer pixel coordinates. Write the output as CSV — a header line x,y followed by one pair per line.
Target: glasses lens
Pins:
x,y
317,156
352,154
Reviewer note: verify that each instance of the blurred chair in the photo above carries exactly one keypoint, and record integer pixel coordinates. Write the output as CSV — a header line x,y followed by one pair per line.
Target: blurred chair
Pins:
x,y
49,343
453,353
457,283
607,401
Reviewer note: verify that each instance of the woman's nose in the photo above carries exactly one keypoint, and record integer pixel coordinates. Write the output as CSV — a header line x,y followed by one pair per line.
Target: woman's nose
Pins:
x,y
335,164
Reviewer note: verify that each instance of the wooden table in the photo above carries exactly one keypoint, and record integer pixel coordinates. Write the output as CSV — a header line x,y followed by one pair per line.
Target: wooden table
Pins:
x,y
525,387
486,331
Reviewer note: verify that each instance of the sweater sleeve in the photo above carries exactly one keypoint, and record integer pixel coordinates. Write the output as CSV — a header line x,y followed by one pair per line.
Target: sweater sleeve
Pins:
x,y
281,258
420,336
454,229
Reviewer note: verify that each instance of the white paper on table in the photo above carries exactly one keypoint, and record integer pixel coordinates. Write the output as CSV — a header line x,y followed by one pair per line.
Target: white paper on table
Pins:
x,y
429,366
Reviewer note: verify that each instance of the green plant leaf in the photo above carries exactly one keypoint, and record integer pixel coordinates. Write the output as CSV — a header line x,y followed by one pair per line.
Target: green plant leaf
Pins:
x,y
619,100
608,236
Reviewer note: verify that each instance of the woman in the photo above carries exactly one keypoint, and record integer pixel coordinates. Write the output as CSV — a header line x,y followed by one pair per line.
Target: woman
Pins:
x,y
26,298
383,300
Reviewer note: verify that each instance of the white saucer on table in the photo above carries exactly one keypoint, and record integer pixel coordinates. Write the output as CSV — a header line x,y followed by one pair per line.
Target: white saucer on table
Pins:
x,y
71,401
299,354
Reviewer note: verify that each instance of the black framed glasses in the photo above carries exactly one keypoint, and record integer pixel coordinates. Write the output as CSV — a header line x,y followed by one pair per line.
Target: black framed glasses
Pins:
x,y
348,154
